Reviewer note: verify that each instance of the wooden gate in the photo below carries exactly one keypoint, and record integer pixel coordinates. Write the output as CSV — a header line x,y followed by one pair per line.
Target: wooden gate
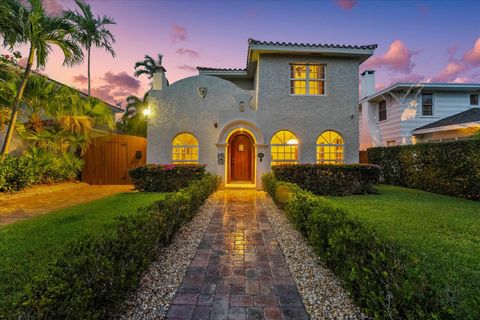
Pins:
x,y
108,158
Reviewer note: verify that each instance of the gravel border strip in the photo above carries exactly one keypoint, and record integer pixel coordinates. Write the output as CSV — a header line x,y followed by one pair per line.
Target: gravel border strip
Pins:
x,y
160,283
321,290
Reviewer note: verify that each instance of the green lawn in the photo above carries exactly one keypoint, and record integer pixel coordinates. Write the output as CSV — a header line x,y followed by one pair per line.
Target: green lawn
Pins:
x,y
26,247
443,231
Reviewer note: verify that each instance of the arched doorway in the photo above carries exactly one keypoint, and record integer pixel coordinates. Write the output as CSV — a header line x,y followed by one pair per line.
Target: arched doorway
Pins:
x,y
241,158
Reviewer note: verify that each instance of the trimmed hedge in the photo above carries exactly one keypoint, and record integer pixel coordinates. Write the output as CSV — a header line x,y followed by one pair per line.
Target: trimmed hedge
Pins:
x,y
165,177
330,179
92,279
450,168
382,278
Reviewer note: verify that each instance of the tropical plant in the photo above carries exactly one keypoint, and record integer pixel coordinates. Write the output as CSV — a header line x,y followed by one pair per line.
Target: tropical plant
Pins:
x,y
148,66
133,121
91,31
29,23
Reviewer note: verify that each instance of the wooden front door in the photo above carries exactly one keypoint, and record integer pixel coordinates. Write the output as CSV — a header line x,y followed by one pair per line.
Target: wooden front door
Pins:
x,y
241,168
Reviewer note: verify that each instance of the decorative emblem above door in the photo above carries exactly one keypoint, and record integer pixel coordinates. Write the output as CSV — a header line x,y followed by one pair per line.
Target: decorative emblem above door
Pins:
x,y
202,92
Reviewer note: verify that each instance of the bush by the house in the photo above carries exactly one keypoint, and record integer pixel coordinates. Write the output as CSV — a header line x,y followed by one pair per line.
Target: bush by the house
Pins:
x,y
330,179
35,167
165,177
383,279
451,168
96,274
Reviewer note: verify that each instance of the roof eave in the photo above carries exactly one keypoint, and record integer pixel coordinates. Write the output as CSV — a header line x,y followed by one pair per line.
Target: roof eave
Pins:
x,y
473,124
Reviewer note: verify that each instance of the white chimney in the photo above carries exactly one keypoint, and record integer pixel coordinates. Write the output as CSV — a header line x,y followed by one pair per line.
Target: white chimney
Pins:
x,y
367,83
159,80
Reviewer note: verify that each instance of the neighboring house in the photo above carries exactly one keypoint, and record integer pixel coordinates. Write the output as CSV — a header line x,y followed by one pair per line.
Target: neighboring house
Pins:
x,y
292,103
406,113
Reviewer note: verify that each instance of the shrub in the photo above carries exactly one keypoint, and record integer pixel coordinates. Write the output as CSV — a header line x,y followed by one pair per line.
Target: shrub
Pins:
x,y
95,275
383,279
165,177
34,167
330,179
451,168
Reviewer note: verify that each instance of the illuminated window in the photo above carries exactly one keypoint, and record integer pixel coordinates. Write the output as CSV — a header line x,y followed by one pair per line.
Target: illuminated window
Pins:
x,y
330,147
185,149
284,146
307,79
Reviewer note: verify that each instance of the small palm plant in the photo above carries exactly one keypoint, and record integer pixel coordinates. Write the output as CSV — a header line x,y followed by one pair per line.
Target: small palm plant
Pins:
x,y
133,120
148,66
29,23
91,31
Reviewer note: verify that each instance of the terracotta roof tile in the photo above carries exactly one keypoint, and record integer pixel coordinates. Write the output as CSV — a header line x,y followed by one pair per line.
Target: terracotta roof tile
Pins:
x,y
311,45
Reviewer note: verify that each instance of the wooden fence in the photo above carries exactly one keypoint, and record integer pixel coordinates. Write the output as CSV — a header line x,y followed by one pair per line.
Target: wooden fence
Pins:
x,y
108,159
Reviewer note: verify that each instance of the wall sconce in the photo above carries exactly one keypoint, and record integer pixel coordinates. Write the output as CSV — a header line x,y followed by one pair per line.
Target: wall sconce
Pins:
x,y
352,116
215,124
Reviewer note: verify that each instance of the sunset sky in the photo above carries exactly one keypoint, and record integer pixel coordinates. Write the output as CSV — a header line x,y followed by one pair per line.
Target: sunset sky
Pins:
x,y
417,40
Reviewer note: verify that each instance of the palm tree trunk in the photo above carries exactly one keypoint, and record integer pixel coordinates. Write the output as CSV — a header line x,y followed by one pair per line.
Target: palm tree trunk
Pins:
x,y
88,58
18,98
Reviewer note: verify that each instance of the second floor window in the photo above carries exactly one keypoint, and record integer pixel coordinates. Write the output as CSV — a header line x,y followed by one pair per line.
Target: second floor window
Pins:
x,y
427,104
307,79
474,99
382,110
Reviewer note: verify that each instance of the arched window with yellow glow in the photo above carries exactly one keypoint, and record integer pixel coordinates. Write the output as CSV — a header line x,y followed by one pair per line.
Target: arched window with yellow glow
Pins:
x,y
330,148
185,149
284,146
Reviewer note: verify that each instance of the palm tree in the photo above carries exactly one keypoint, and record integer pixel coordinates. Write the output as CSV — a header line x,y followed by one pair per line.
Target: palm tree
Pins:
x,y
149,66
31,24
91,31
133,120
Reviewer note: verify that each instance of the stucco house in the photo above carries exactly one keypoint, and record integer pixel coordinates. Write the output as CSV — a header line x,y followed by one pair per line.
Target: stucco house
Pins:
x,y
406,113
292,103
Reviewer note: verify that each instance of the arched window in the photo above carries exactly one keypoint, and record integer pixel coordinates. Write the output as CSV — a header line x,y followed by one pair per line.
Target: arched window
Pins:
x,y
185,149
330,147
284,146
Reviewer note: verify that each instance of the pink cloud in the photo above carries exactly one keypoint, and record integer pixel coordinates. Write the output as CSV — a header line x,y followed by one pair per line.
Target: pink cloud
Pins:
x,y
455,68
346,4
81,79
413,77
397,58
189,52
112,87
423,9
187,68
53,7
121,80
462,80
178,33
472,56
450,72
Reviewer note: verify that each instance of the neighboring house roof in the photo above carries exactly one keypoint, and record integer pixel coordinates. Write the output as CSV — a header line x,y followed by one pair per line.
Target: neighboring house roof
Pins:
x,y
467,118
424,86
256,47
115,109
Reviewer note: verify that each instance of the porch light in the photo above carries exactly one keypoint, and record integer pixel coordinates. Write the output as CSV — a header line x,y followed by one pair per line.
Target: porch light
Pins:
x,y
292,141
146,112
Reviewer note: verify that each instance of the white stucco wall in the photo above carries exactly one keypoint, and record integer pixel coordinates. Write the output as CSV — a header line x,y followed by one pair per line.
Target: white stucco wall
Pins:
x,y
179,108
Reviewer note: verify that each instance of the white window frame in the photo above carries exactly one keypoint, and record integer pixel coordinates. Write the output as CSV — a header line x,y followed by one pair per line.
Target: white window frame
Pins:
x,y
386,111
470,99
433,105
307,79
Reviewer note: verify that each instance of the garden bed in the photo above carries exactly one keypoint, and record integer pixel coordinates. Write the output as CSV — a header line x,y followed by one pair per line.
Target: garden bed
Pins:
x,y
402,254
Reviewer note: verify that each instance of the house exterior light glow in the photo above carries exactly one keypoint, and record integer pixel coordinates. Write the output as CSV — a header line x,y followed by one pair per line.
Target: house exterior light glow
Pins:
x,y
292,103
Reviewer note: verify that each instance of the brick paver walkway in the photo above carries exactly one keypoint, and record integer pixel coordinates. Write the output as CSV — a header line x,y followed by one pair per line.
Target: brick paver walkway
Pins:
x,y
238,271
44,199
